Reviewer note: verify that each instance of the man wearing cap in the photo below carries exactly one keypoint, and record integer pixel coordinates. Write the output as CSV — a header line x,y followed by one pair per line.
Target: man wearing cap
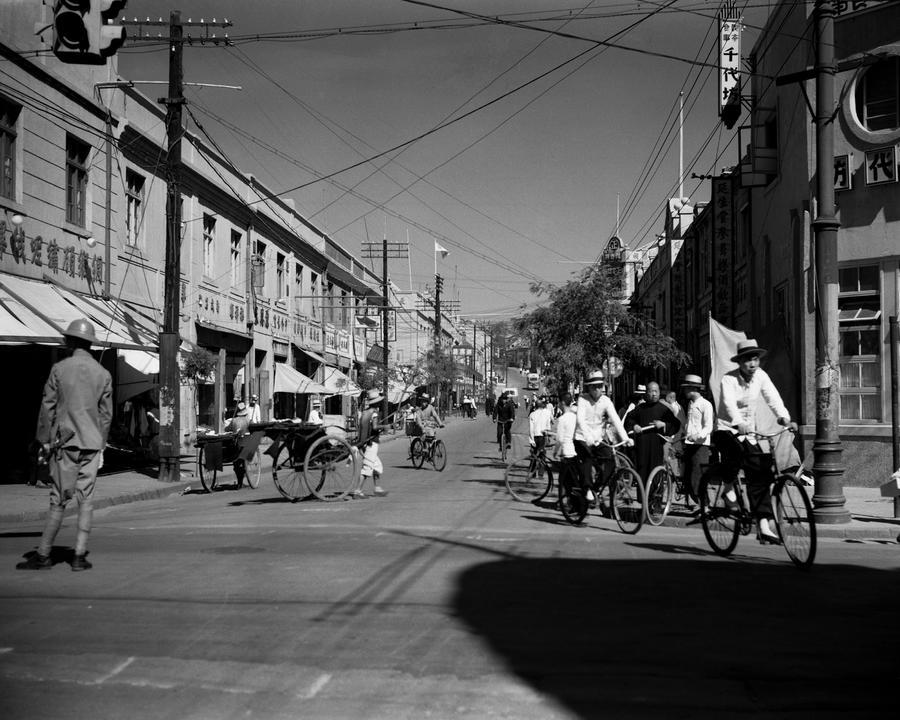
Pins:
x,y
315,414
540,424
740,393
253,410
73,425
369,439
699,424
594,411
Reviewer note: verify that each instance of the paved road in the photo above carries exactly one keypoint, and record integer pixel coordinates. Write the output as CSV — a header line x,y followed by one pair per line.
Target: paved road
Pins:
x,y
443,600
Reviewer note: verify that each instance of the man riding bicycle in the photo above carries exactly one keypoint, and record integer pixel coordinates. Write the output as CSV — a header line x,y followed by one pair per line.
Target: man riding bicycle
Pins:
x,y
427,417
739,397
504,415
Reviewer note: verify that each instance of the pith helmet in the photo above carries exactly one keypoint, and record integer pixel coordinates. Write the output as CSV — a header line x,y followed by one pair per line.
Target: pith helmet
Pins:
x,y
81,328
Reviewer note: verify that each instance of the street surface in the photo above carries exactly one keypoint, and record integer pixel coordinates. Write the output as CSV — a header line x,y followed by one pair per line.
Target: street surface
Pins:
x,y
444,600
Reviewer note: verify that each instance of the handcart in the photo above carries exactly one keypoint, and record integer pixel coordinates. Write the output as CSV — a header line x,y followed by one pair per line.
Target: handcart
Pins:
x,y
215,450
312,460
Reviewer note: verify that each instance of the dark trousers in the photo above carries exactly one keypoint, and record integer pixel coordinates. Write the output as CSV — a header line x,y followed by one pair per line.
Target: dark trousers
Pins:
x,y
757,465
504,428
695,458
599,457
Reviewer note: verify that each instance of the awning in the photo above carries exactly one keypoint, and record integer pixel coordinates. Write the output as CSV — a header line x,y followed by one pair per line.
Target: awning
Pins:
x,y
142,361
289,380
337,383
309,353
19,325
397,392
136,372
57,306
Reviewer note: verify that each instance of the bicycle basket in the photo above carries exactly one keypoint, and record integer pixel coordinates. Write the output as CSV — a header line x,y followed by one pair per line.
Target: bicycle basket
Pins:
x,y
413,429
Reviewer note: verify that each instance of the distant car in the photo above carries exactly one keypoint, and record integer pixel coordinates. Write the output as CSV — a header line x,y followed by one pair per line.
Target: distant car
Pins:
x,y
513,392
534,381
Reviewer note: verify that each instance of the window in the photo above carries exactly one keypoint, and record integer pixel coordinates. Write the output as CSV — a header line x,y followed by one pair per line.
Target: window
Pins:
x,y
878,96
259,268
314,291
134,199
9,116
237,265
345,309
76,181
859,317
298,286
329,300
209,235
280,288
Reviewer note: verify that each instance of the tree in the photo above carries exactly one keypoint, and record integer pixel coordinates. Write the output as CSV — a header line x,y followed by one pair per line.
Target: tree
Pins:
x,y
585,322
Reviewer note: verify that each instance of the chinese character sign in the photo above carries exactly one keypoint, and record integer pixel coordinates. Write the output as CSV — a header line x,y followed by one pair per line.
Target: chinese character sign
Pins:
x,y
729,65
842,172
881,166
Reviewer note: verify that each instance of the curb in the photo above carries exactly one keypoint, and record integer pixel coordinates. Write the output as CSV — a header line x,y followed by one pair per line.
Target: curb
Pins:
x,y
72,507
858,529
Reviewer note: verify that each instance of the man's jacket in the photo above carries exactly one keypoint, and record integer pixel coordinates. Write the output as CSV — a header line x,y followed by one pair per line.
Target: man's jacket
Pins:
x,y
76,410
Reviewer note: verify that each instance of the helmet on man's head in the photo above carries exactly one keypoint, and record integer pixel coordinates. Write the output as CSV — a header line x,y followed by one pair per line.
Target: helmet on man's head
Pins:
x,y
81,329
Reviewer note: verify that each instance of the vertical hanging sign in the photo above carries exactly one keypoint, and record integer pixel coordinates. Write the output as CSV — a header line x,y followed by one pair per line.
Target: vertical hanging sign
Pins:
x,y
729,65
723,241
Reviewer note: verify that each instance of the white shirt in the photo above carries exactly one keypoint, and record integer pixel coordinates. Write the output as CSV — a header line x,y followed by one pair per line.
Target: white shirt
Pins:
x,y
699,425
592,418
314,417
739,399
539,422
254,413
565,434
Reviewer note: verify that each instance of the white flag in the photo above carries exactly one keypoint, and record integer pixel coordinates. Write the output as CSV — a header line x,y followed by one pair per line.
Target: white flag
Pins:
x,y
438,248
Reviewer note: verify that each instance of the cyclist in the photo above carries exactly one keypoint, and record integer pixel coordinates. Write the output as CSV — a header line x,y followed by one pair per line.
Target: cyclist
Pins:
x,y
569,472
739,395
540,423
504,414
593,412
427,417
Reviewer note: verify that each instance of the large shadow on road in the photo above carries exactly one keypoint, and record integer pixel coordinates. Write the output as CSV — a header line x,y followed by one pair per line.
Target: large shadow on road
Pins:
x,y
691,637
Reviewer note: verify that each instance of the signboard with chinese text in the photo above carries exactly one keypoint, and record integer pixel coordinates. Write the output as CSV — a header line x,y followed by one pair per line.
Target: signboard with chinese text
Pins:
x,y
723,241
881,166
842,178
842,8
729,69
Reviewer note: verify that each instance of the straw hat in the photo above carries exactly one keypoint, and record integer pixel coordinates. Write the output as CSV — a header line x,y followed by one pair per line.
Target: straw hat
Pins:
x,y
692,381
746,348
241,408
595,378
373,397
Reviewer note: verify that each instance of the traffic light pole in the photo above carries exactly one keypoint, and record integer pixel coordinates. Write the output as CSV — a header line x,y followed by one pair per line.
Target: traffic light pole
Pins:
x,y
170,337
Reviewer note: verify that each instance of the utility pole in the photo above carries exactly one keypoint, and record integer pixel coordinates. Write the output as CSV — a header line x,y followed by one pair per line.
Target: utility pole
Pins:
x,y
371,251
829,498
474,361
438,284
170,337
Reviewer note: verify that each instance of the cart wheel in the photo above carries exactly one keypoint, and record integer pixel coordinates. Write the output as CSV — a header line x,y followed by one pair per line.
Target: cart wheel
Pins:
x,y
288,475
207,477
330,468
253,469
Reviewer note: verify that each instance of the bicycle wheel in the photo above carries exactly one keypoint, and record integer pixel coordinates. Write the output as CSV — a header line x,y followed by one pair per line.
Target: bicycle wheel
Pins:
x,y
720,525
525,483
439,455
503,451
660,488
794,518
253,469
628,499
417,452
288,475
572,503
330,468
207,477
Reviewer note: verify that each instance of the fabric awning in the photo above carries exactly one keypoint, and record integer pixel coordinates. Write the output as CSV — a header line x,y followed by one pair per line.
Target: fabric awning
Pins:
x,y
289,380
337,383
57,306
397,392
313,355
19,325
136,371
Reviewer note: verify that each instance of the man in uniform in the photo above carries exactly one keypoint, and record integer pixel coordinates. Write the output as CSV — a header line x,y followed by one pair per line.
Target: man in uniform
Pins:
x,y
73,425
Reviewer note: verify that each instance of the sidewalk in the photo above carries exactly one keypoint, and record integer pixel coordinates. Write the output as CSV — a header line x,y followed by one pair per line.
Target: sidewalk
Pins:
x,y
872,516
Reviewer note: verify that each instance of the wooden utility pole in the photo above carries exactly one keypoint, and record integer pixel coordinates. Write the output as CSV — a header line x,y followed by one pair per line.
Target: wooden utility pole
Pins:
x,y
170,337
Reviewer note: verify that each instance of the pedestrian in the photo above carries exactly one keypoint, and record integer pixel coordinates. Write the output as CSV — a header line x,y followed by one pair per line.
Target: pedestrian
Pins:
x,y
73,425
254,411
369,440
540,423
239,424
635,399
315,412
648,421
569,473
698,429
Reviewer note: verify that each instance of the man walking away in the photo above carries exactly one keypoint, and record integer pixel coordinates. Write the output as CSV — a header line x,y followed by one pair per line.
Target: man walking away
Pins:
x,y
698,429
73,425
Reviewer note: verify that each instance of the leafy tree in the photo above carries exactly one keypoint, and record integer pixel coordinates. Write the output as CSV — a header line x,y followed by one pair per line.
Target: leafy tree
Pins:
x,y
585,321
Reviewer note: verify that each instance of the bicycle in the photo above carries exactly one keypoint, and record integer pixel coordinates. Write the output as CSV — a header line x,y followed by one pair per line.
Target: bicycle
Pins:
x,y
724,522
623,493
529,478
505,438
665,484
428,447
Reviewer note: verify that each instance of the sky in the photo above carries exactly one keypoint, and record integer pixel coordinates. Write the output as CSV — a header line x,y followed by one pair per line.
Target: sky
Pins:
x,y
516,149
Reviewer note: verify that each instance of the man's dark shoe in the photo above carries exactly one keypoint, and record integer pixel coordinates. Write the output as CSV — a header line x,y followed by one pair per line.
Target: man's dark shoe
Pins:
x,y
35,562
80,562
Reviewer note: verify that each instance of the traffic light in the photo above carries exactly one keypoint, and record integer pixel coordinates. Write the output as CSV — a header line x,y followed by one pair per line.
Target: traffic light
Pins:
x,y
82,33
